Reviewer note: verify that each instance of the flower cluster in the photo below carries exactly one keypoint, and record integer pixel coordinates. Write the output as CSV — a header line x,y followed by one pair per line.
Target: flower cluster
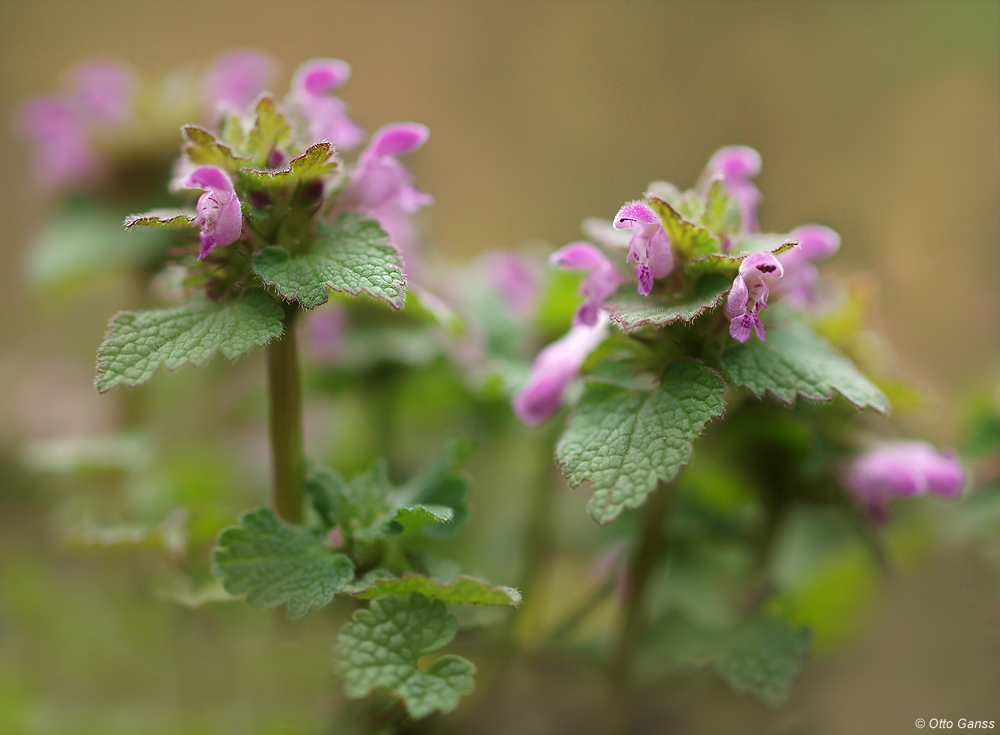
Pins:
x,y
902,469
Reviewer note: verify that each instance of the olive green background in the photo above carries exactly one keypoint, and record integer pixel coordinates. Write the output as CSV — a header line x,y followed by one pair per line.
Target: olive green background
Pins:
x,y
879,119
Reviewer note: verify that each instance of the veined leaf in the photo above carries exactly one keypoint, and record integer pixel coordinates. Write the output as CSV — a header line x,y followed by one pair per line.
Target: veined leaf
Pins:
x,y
462,590
631,311
318,161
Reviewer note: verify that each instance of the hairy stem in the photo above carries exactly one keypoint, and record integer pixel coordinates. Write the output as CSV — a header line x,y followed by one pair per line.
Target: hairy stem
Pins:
x,y
652,546
285,402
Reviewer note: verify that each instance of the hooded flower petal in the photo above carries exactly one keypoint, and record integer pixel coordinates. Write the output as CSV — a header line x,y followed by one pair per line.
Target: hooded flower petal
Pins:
x,y
312,93
555,368
815,242
649,246
236,81
903,468
218,209
602,278
737,165
749,293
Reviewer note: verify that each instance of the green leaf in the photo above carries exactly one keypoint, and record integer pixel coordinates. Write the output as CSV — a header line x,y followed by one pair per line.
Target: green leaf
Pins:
x,y
462,590
688,240
204,150
380,647
765,659
352,255
728,264
795,362
270,131
318,161
137,343
275,564
630,310
438,484
415,517
722,212
623,441
161,218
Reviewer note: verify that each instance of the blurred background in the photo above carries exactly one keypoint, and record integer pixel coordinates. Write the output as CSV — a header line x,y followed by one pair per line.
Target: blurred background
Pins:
x,y
879,119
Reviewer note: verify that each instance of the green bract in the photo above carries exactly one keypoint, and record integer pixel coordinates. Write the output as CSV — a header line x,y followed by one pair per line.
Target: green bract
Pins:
x,y
380,647
351,254
275,564
624,441
795,362
138,343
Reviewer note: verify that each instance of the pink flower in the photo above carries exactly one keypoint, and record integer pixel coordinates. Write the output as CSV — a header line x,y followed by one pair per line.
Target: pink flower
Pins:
x,y
324,330
219,215
602,278
382,187
748,296
61,155
554,369
902,468
312,88
815,243
737,165
236,81
649,246
104,91
513,277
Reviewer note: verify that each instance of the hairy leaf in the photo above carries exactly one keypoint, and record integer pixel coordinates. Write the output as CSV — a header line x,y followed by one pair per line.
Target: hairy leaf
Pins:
x,y
270,131
380,647
318,161
728,264
624,441
688,240
137,343
722,212
631,311
352,255
462,590
275,564
161,218
795,362
204,150
765,659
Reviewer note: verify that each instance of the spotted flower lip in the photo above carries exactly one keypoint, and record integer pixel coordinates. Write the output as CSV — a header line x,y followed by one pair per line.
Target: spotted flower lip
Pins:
x,y
736,165
555,368
649,245
815,243
900,469
236,80
601,281
326,114
749,293
218,209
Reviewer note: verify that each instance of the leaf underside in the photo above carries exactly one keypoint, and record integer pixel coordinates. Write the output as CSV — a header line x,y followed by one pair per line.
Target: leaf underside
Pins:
x,y
379,649
795,362
624,441
275,564
138,343
353,255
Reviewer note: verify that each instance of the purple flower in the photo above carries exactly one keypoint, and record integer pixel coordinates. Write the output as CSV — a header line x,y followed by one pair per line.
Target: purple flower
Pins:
x,y
649,246
749,295
104,91
61,155
602,278
554,369
737,165
236,81
902,468
312,88
381,185
219,215
513,277
815,243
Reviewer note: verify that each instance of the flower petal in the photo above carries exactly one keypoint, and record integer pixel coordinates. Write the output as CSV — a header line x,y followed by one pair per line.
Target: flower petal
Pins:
x,y
635,212
765,264
816,241
320,76
735,162
236,80
398,139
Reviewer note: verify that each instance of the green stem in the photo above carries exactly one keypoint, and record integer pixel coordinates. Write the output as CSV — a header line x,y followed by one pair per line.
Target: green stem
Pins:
x,y
652,548
285,396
